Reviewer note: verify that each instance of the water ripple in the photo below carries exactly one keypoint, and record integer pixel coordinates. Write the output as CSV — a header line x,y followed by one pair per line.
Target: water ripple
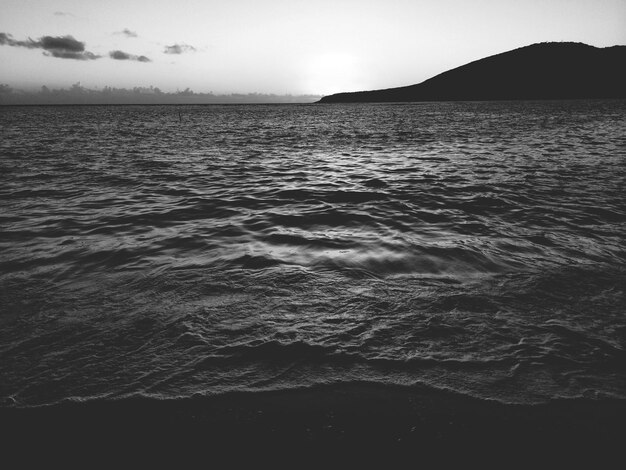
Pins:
x,y
477,247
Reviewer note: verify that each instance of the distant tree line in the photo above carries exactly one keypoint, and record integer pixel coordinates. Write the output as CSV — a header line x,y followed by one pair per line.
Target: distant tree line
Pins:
x,y
78,94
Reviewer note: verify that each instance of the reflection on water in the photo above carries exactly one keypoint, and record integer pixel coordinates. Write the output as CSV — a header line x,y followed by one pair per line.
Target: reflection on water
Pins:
x,y
471,246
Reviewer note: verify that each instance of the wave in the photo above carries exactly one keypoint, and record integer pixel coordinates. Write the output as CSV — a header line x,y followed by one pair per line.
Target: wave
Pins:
x,y
285,247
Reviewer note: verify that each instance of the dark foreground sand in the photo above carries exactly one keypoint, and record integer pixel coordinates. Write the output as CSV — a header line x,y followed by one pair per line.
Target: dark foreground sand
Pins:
x,y
326,427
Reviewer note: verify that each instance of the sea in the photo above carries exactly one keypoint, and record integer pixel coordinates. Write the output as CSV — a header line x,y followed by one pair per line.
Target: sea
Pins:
x,y
476,248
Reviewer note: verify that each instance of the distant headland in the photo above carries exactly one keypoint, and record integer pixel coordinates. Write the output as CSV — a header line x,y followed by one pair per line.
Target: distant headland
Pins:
x,y
554,70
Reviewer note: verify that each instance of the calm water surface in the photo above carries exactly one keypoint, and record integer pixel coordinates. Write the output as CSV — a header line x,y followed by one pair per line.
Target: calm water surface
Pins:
x,y
170,251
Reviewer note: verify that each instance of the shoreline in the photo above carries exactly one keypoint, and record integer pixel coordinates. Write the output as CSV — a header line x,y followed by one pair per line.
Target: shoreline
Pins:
x,y
354,422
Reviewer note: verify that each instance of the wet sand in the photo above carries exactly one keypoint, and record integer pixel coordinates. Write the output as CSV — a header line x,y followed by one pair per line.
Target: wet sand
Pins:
x,y
330,426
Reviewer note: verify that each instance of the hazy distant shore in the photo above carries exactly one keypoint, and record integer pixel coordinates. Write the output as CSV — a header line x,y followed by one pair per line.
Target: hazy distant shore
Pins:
x,y
139,95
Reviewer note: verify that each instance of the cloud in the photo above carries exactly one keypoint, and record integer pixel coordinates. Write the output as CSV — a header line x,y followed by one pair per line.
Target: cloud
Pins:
x,y
62,47
7,40
178,49
121,55
127,32
66,47
62,43
62,13
62,54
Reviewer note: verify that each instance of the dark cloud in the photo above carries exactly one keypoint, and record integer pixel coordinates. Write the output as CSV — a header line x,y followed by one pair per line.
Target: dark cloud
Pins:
x,y
62,43
62,47
66,47
62,54
121,55
178,49
62,13
127,32
7,40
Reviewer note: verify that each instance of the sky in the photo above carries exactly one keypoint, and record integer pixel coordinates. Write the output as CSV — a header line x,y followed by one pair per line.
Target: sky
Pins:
x,y
278,46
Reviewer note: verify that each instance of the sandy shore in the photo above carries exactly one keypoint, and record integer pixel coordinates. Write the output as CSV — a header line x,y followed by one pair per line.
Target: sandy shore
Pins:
x,y
350,424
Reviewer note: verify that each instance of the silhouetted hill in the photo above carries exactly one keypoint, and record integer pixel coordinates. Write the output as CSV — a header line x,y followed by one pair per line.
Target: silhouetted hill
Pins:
x,y
562,70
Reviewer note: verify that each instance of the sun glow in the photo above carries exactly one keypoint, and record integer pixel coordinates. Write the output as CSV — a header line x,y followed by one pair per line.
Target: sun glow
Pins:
x,y
332,73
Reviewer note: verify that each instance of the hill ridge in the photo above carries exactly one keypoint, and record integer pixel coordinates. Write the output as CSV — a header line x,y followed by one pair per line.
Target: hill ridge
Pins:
x,y
547,70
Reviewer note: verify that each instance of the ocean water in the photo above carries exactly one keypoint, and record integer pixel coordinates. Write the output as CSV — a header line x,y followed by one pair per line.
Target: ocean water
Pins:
x,y
169,251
